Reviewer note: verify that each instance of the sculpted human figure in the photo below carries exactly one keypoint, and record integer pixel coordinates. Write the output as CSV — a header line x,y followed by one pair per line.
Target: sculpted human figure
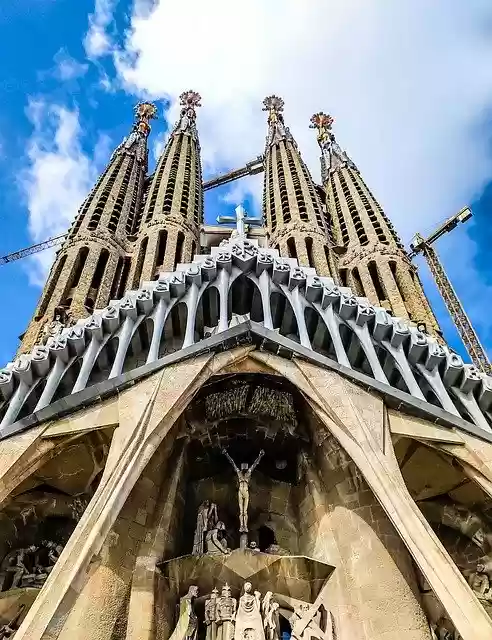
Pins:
x,y
244,476
211,615
187,625
214,542
249,624
480,583
271,622
206,519
226,614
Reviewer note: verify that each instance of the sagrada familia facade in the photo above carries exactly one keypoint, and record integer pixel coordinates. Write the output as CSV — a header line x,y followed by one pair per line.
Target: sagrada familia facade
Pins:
x,y
254,433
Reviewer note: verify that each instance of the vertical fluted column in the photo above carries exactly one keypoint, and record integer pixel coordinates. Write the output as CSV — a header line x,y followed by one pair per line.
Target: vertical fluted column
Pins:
x,y
371,255
173,209
85,267
292,208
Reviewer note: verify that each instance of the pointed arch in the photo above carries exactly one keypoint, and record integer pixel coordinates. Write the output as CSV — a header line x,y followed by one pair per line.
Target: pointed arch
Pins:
x,y
138,349
207,312
174,329
68,380
320,337
354,350
104,361
283,316
245,298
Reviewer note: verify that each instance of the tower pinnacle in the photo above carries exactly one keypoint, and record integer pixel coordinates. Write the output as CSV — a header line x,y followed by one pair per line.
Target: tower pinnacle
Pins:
x,y
332,156
277,130
144,112
189,101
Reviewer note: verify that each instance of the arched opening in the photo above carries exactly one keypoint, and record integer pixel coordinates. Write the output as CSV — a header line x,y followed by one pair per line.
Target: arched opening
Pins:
x,y
67,382
104,362
354,350
291,248
120,278
309,251
357,282
376,280
32,399
178,256
266,537
283,316
74,278
207,313
100,268
343,273
140,263
138,349
174,330
245,298
390,368
318,333
161,249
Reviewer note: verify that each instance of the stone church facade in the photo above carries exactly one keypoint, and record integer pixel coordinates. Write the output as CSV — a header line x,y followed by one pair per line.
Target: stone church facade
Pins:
x,y
247,435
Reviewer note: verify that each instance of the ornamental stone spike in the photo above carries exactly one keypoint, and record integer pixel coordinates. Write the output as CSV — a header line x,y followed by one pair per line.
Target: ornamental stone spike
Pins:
x,y
144,112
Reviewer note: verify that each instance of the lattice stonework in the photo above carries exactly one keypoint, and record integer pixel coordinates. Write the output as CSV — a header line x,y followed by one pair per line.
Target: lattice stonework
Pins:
x,y
182,308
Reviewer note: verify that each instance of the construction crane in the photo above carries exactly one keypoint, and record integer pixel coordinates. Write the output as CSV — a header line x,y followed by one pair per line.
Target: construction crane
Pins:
x,y
249,169
465,329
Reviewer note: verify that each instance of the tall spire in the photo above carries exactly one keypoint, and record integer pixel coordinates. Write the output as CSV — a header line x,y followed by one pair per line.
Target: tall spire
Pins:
x,y
173,210
292,208
371,256
92,265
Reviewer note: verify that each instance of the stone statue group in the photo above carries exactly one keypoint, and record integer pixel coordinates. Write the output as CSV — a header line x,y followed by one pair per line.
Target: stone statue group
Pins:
x,y
29,567
252,618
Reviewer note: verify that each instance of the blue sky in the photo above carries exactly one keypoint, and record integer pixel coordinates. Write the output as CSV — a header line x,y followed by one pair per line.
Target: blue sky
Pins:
x,y
409,86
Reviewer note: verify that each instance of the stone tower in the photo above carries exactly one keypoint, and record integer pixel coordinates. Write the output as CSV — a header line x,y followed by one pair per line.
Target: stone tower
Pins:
x,y
92,266
293,211
236,448
173,210
372,260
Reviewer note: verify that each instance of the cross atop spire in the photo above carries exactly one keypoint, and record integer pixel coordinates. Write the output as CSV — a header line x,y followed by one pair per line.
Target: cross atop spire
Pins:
x,y
277,130
332,156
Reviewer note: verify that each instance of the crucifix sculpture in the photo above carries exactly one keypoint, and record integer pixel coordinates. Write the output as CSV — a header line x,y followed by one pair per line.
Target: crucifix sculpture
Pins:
x,y
241,219
244,476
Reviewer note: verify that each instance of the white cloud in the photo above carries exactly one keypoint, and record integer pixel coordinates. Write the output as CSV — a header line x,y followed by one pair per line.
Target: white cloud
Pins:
x,y
408,83
67,68
97,41
57,178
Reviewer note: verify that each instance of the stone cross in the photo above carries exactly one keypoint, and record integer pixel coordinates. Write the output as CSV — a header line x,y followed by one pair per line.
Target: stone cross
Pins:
x,y
241,219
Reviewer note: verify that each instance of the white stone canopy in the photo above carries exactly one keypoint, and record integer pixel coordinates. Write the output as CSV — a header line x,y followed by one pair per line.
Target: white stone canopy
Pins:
x,y
240,281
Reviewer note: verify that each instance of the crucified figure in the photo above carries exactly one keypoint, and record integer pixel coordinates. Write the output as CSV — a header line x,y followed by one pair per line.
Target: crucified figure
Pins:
x,y
244,476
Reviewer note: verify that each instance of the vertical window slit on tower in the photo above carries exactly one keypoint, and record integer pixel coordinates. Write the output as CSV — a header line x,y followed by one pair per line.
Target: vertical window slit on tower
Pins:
x,y
397,279
161,248
359,227
309,250
122,278
357,282
140,263
376,280
53,281
291,247
74,277
100,268
178,256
